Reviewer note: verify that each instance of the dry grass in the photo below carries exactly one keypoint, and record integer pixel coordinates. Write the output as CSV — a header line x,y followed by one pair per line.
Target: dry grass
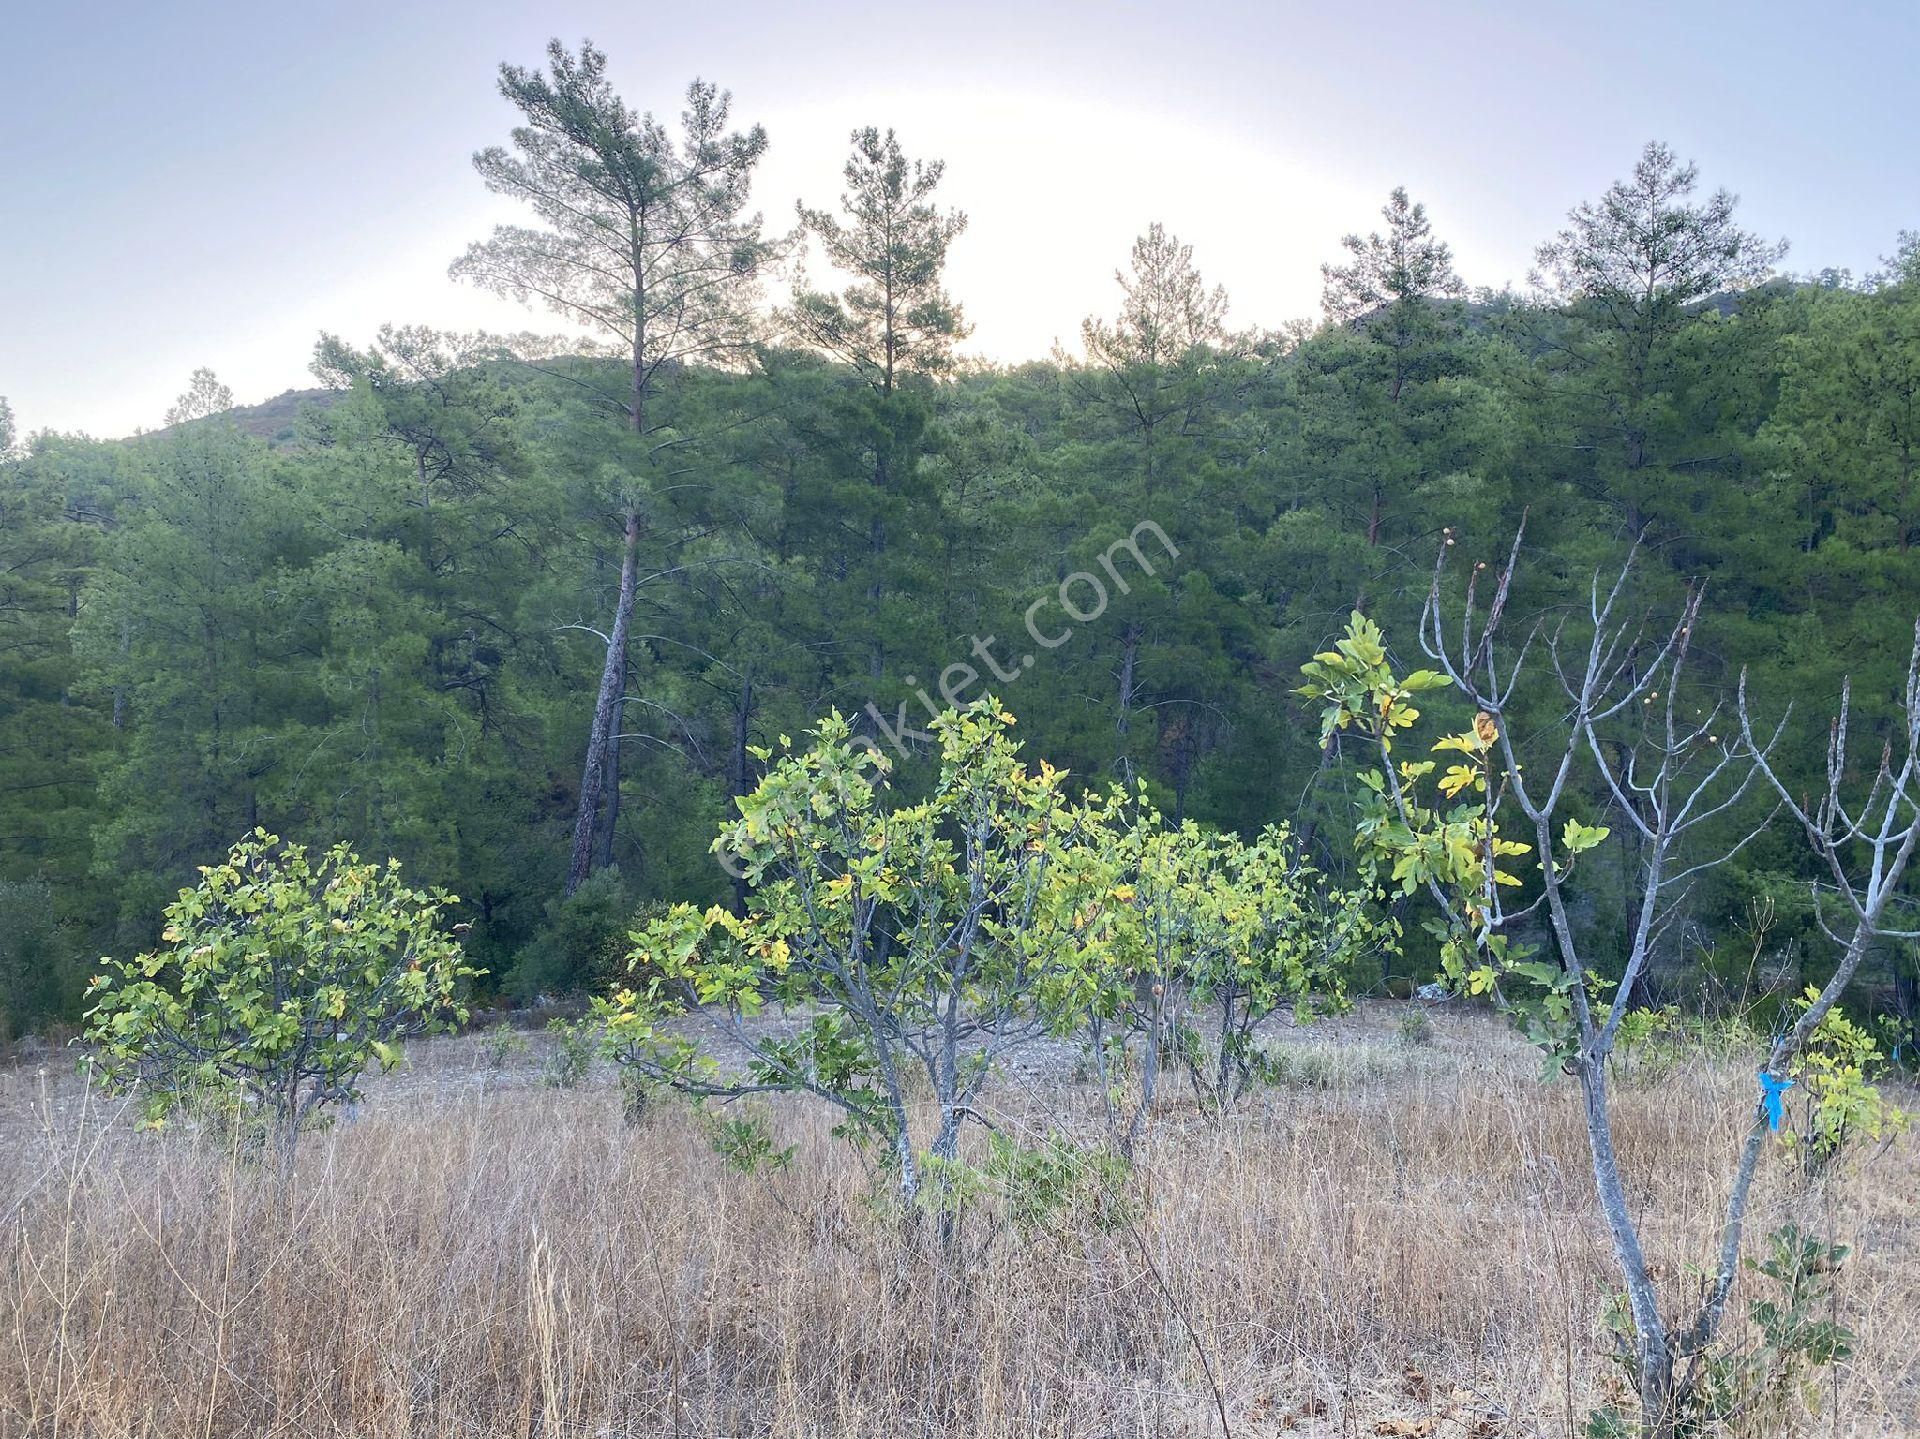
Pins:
x,y
476,1258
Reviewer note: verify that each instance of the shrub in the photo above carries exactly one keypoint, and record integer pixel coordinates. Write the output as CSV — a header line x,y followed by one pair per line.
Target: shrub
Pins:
x,y
279,980
1842,1107
40,972
1188,941
570,1059
1415,1027
583,941
921,937
500,1046
1744,1388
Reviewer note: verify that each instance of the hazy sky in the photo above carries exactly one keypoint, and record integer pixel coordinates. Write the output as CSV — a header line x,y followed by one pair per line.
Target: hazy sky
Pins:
x,y
190,184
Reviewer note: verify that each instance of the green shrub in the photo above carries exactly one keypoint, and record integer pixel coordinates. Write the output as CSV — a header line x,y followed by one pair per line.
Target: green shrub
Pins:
x,y
911,936
1415,1027
582,944
1749,1387
1841,1106
500,1046
570,1060
41,975
279,980
1651,1043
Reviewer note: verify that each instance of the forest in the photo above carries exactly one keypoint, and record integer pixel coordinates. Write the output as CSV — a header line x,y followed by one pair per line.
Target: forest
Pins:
x,y
526,612
723,864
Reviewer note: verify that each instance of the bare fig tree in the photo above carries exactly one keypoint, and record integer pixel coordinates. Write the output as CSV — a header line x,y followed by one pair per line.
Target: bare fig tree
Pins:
x,y
1669,772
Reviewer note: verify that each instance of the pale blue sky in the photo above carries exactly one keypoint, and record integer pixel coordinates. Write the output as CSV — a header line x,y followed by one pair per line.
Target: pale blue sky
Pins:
x,y
213,184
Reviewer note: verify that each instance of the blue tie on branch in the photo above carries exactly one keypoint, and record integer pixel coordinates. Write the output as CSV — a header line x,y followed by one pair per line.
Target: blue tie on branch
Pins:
x,y
1773,1098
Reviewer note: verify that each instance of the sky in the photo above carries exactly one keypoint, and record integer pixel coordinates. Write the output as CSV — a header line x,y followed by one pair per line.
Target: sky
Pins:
x,y
216,184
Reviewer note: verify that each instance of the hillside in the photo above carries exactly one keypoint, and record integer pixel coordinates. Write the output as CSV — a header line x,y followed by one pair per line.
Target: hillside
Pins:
x,y
272,420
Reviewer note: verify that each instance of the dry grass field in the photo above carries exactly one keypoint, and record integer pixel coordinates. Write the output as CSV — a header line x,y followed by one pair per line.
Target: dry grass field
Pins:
x,y
1401,1233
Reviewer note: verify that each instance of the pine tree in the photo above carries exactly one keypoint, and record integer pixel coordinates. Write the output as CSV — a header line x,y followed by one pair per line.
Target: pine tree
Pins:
x,y
896,318
895,326
1380,423
1627,271
644,241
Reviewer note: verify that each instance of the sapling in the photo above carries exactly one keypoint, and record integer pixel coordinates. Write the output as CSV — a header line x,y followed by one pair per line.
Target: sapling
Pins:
x,y
280,979
500,1046
1841,1108
569,1059
900,937
1622,718
1187,941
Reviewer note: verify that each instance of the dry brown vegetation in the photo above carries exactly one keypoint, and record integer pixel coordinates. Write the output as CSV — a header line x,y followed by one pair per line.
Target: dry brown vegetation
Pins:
x,y
1404,1240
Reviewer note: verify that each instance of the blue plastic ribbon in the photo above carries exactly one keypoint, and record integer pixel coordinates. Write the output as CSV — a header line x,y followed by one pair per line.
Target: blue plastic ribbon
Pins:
x,y
1773,1098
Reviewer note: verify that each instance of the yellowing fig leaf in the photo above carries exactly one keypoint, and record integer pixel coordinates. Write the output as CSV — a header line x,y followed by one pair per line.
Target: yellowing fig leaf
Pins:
x,y
1577,838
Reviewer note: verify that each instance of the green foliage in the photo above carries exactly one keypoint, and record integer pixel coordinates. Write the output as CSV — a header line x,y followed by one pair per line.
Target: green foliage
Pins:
x,y
1048,1184
280,977
589,166
744,1142
1608,1423
40,968
1186,940
1439,833
1653,1042
1044,1186
569,1058
915,932
500,1046
1630,273
895,319
1414,1027
1842,1107
51,747
1745,1387
1796,1329
1643,1028
582,945
381,627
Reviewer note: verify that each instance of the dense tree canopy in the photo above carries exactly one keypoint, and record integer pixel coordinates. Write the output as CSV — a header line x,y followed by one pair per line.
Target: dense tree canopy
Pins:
x,y
523,613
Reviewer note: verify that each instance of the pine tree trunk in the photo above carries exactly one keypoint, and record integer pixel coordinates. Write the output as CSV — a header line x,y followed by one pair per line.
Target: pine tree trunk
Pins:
x,y
1123,722
613,782
739,773
613,680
